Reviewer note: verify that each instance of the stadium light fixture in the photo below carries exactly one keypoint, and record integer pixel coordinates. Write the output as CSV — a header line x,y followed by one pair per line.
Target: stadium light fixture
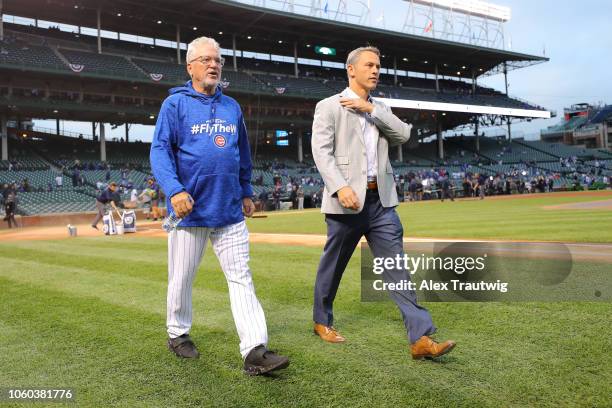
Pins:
x,y
119,14
325,50
307,45
76,6
458,73
426,62
151,116
463,67
220,32
159,21
443,113
249,37
55,111
280,41
194,28
404,59
480,69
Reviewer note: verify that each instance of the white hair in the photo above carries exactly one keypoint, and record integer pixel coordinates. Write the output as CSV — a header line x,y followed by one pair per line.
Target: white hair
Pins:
x,y
353,56
200,42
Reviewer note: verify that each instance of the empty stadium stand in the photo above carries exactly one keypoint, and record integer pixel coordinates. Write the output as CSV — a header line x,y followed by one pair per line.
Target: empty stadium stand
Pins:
x,y
121,60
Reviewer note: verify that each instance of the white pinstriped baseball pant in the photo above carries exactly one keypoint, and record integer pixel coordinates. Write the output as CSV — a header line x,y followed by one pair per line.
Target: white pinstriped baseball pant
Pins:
x,y
231,245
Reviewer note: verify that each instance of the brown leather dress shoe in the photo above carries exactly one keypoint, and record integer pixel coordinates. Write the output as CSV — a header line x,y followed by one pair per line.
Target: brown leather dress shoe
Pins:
x,y
328,333
426,347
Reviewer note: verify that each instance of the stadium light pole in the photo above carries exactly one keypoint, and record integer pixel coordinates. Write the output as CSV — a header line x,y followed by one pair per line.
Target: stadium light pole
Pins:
x,y
235,60
4,132
300,149
436,76
439,137
295,58
395,70
102,143
178,43
477,140
98,24
506,82
1,22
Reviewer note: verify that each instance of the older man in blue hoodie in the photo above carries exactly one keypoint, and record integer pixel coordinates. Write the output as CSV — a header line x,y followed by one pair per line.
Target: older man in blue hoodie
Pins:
x,y
201,158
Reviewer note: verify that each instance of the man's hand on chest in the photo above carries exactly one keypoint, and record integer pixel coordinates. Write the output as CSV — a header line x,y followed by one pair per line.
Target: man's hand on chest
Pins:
x,y
357,104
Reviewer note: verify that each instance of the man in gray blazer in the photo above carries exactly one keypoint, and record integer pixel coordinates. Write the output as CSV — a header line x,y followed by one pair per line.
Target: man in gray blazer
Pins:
x,y
351,136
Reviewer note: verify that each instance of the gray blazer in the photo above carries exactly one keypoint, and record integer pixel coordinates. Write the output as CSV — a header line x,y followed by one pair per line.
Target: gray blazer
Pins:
x,y
340,154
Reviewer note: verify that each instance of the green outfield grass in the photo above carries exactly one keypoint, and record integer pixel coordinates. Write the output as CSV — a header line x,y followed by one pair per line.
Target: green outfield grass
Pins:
x,y
89,313
520,218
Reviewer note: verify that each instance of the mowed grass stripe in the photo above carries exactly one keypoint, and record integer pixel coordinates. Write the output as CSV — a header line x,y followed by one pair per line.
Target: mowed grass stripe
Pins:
x,y
113,251
514,219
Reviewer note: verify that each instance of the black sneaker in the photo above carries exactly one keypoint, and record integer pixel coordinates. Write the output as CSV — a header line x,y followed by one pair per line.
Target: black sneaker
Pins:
x,y
183,346
94,226
261,361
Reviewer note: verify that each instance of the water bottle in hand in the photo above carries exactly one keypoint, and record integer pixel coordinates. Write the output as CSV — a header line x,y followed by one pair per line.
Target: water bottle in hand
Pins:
x,y
171,221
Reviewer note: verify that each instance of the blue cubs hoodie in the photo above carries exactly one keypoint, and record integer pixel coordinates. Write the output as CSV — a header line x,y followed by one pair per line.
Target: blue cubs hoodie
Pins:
x,y
201,146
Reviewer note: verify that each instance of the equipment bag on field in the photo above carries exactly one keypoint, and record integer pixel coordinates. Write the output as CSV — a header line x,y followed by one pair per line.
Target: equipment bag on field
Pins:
x,y
109,224
129,221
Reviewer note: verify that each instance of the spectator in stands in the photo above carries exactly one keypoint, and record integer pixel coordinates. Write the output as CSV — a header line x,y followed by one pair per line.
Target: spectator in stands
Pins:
x,y
107,176
276,197
541,185
300,198
480,185
446,190
412,189
277,180
59,180
426,189
76,176
467,187
107,196
10,205
293,197
25,186
263,198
